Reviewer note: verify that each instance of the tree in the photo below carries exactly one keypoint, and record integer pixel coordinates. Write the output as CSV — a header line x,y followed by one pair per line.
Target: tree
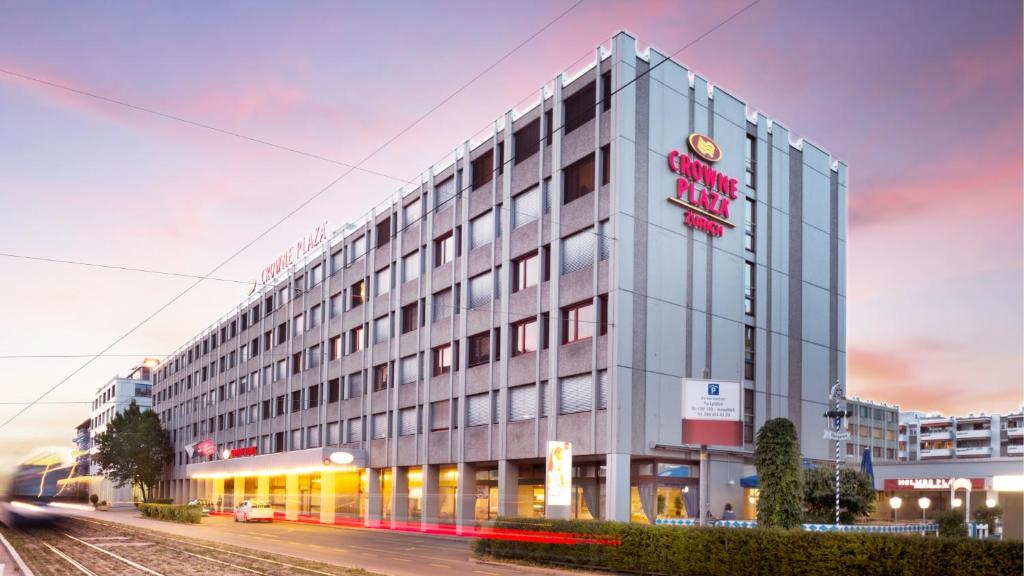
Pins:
x,y
988,516
777,458
134,449
856,495
951,523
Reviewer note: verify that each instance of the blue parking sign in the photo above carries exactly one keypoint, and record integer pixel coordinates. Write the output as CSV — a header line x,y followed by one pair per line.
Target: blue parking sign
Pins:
x,y
712,389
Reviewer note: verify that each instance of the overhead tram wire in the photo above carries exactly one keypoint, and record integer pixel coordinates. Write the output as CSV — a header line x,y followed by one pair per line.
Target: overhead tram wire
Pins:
x,y
301,205
116,267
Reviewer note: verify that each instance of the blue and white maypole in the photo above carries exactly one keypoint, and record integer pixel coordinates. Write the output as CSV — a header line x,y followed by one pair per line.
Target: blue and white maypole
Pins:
x,y
835,429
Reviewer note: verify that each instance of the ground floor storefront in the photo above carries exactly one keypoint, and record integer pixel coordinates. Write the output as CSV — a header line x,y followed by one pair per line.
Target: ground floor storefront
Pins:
x,y
314,487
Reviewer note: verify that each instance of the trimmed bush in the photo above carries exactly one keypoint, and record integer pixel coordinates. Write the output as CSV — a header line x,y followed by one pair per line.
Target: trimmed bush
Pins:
x,y
172,513
951,523
94,498
645,549
159,501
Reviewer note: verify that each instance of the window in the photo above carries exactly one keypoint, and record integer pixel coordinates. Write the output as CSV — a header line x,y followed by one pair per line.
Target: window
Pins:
x,y
849,447
313,396
444,249
355,430
578,179
478,410
337,261
407,421
579,108
442,305
440,415
526,141
751,161
525,271
314,316
748,352
524,337
748,415
333,390
355,385
282,370
312,357
481,230
578,322
412,212
411,267
606,164
358,248
382,281
410,317
577,251
575,394
335,306
749,276
602,389
522,404
282,333
444,192
483,169
357,294
380,426
479,349
749,221
441,360
333,434
296,400
380,377
526,207
409,369
480,290
383,232
603,241
316,276
297,325
355,339
381,330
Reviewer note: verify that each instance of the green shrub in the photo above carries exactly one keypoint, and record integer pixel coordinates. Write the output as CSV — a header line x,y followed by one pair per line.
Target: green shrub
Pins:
x,y
186,514
988,516
645,549
160,501
777,459
94,498
951,523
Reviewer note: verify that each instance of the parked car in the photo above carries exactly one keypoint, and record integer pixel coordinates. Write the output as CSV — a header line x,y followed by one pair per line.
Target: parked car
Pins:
x,y
202,503
250,510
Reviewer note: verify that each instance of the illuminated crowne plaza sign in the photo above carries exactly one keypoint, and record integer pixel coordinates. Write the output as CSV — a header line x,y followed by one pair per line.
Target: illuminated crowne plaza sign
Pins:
x,y
302,247
702,190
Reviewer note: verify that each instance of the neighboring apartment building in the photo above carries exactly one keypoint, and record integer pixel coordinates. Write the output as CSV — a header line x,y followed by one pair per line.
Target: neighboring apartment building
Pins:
x,y
555,282
111,399
934,436
874,426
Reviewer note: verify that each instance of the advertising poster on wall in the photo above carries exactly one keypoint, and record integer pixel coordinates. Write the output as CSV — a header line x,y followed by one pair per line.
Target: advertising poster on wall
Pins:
x,y
558,484
712,412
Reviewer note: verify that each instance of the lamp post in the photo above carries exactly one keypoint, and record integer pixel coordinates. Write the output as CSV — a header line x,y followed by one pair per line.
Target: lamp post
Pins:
x,y
924,502
990,502
895,502
957,502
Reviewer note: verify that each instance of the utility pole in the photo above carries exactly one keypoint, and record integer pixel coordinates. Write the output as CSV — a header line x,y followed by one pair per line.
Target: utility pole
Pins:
x,y
835,429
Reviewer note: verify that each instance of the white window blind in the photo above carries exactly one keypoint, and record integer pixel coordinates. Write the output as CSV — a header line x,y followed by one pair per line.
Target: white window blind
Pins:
x,y
577,251
575,394
545,399
481,230
407,421
312,437
411,267
602,390
442,306
522,402
358,248
409,369
380,329
480,289
355,385
444,192
526,207
412,213
334,433
355,430
380,426
603,242
382,281
478,408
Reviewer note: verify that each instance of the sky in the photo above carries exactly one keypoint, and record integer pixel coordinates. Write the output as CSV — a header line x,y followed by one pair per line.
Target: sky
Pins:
x,y
922,99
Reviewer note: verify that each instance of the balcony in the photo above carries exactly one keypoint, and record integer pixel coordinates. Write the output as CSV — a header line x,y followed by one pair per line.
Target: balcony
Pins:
x,y
1017,432
937,453
971,434
974,451
1015,449
936,435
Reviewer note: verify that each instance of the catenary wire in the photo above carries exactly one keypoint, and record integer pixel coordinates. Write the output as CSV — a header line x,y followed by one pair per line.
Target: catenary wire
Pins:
x,y
277,223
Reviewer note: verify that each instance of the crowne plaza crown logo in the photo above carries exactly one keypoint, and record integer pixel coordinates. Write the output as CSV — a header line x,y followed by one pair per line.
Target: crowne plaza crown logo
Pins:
x,y
704,147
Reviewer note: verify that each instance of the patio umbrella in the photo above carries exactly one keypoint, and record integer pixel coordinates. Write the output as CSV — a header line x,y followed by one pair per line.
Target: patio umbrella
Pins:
x,y
866,467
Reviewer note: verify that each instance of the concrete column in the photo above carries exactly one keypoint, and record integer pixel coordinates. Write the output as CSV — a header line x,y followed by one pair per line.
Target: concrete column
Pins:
x,y
291,497
465,496
238,496
217,497
431,500
194,490
399,495
263,488
373,508
508,488
327,497
617,487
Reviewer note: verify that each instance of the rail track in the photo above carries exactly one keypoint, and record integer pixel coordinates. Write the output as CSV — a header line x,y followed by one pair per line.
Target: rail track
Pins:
x,y
83,547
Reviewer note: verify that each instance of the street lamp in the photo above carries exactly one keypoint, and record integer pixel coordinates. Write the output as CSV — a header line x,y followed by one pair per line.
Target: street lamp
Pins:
x,y
924,502
895,502
991,502
957,502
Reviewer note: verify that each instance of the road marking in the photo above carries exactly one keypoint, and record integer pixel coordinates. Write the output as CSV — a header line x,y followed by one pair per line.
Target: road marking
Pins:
x,y
71,561
112,555
214,560
440,566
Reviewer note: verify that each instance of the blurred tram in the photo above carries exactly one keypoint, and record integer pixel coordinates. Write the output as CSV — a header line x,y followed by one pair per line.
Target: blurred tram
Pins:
x,y
49,475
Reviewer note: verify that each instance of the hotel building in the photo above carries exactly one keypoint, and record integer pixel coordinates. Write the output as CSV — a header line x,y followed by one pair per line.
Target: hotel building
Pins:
x,y
557,280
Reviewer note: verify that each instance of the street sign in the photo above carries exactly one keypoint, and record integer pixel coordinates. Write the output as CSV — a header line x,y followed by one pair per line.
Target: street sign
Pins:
x,y
837,434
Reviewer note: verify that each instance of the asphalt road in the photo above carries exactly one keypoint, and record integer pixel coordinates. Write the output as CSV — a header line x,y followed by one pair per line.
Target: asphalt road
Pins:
x,y
380,551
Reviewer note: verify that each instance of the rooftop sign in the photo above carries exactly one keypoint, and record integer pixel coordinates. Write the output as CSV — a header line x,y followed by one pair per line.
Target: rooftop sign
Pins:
x,y
302,247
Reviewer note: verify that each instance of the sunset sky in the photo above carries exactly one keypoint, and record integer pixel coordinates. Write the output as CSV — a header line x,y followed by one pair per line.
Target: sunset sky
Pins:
x,y
923,100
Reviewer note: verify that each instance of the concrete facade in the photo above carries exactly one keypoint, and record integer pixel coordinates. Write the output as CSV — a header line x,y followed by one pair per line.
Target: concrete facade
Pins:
x,y
347,348
936,437
874,426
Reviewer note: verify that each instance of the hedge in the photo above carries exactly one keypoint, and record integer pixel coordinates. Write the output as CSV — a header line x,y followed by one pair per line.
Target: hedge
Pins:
x,y
159,501
174,513
645,549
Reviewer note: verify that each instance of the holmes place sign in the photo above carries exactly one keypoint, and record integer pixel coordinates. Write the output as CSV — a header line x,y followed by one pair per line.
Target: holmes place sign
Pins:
x,y
702,190
293,253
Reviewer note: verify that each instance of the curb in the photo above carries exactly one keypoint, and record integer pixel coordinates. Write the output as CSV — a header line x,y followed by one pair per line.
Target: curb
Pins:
x,y
17,558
